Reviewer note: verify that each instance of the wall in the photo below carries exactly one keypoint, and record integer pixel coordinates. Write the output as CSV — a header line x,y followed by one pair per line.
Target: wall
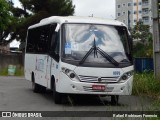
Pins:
x,y
4,49
15,59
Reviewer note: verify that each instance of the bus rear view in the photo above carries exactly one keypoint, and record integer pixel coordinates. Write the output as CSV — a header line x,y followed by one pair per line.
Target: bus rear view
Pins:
x,y
94,57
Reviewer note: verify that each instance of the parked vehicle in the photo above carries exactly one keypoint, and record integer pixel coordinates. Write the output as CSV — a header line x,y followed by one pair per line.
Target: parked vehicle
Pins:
x,y
79,55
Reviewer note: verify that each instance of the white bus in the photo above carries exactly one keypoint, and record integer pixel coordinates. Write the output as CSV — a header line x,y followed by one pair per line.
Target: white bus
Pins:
x,y
79,55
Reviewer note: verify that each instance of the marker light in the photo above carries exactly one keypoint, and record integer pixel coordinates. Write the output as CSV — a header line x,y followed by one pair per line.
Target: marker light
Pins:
x,y
67,71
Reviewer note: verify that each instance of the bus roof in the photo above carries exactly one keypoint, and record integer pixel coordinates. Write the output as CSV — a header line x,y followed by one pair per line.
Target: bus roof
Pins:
x,y
74,19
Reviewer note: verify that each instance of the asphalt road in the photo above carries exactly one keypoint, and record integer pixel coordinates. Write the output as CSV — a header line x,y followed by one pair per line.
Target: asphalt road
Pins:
x,y
16,95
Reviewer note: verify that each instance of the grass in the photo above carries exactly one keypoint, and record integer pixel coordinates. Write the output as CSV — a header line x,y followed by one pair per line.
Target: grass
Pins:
x,y
19,72
145,84
4,72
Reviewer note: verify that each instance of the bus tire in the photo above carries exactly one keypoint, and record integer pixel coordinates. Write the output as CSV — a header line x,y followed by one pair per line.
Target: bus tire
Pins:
x,y
114,99
42,89
36,87
57,96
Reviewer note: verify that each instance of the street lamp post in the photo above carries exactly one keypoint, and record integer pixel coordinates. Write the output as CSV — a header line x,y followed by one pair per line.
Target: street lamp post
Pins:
x,y
156,37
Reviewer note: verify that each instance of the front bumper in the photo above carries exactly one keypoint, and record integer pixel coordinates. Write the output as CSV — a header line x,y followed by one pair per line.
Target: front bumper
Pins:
x,y
66,85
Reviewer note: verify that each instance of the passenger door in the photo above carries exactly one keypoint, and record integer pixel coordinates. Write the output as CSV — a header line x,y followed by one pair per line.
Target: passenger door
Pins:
x,y
53,59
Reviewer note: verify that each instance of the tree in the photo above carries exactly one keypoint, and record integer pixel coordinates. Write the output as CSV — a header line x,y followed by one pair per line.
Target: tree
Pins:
x,y
141,32
17,20
144,46
40,9
5,21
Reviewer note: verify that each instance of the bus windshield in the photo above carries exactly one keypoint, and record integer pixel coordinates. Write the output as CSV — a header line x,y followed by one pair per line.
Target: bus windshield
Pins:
x,y
80,39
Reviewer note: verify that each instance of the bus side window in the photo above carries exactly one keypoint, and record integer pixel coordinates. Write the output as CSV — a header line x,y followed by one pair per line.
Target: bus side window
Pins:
x,y
37,41
54,42
43,40
31,48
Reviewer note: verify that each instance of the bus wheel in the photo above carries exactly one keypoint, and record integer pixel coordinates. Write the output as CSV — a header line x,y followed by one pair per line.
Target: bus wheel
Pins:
x,y
57,96
114,99
36,87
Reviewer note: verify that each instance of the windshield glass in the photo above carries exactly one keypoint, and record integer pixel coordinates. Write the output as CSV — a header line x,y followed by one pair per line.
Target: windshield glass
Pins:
x,y
78,39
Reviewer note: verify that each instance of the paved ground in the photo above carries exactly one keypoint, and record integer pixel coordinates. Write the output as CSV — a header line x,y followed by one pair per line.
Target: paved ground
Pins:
x,y
16,95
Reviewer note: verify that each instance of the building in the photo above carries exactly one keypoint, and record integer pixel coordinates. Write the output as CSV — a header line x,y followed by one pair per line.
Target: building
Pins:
x,y
132,11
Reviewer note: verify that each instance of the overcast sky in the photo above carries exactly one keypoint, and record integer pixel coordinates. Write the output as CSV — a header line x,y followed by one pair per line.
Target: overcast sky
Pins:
x,y
99,8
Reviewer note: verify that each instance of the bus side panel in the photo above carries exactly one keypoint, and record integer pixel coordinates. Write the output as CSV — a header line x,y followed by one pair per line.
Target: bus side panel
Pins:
x,y
29,65
38,65
55,68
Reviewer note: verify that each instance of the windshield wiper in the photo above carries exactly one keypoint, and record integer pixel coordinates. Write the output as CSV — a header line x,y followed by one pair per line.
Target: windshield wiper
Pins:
x,y
94,48
108,57
104,54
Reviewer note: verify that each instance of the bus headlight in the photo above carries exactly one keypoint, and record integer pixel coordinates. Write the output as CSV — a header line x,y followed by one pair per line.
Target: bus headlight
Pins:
x,y
69,73
125,76
72,75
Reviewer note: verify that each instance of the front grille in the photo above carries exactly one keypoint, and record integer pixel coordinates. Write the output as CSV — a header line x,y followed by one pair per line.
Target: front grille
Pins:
x,y
95,79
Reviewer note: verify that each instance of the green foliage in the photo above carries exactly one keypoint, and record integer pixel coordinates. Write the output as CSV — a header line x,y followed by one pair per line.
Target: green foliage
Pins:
x,y
144,46
4,72
52,7
141,32
19,72
4,15
142,50
41,9
6,19
17,20
146,84
157,103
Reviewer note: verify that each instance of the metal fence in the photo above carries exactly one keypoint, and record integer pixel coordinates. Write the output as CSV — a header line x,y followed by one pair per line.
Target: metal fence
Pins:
x,y
143,64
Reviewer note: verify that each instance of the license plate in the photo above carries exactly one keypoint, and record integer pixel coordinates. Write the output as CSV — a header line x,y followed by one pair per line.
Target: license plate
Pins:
x,y
98,87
